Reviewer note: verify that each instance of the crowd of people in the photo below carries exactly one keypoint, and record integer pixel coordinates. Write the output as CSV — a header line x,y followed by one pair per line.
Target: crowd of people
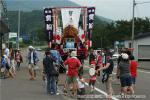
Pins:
x,y
102,61
9,62
101,65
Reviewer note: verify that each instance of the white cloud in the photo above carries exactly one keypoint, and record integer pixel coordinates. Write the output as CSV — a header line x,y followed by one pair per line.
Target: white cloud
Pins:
x,y
117,9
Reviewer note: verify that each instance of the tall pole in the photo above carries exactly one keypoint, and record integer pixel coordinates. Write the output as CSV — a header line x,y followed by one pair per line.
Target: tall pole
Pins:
x,y
18,29
132,43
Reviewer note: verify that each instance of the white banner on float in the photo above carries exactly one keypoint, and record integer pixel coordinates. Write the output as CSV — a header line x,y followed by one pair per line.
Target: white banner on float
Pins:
x,y
70,16
58,35
81,34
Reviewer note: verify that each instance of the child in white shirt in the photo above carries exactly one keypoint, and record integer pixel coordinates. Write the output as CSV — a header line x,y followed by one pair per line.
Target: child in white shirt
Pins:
x,y
81,85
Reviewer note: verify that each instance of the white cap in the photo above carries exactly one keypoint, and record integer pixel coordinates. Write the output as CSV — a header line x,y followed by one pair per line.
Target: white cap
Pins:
x,y
5,56
124,56
30,47
73,53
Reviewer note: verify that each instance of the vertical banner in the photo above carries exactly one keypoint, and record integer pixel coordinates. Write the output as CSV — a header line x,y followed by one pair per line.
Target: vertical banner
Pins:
x,y
90,21
58,35
81,34
48,13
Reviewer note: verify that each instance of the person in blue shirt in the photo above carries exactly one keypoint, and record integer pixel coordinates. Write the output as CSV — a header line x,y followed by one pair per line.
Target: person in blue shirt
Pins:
x,y
57,59
5,65
55,54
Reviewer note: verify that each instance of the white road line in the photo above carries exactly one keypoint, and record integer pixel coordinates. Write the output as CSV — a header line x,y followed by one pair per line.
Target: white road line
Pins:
x,y
99,90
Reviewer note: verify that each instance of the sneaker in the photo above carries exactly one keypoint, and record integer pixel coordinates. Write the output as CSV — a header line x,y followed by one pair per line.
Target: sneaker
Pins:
x,y
57,93
52,93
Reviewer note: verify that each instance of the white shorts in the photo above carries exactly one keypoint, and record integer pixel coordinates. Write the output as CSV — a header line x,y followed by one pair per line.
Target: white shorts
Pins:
x,y
12,64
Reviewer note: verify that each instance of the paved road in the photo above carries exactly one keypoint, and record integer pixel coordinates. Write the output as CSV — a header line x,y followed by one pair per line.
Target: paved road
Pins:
x,y
21,88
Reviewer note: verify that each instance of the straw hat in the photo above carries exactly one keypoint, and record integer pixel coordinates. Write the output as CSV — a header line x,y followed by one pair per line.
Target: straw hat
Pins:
x,y
73,54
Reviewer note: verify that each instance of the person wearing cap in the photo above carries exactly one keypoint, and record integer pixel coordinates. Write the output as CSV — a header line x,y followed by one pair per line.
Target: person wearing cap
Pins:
x,y
123,71
74,65
32,61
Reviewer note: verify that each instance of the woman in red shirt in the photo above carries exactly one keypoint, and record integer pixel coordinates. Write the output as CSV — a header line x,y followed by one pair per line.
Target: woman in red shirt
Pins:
x,y
133,69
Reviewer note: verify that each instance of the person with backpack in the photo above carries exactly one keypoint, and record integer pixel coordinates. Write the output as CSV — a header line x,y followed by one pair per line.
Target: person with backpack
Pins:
x,y
51,73
32,61
6,67
57,58
3,67
107,73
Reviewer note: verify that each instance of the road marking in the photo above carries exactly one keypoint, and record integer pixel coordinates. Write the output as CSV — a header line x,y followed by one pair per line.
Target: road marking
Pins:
x,y
99,90
144,71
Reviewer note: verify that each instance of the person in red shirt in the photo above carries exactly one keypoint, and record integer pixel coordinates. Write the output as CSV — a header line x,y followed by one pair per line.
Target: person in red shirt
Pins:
x,y
133,69
99,62
73,66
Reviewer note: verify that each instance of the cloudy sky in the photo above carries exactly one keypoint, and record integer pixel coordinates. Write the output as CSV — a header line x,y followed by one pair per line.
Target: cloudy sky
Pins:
x,y
117,9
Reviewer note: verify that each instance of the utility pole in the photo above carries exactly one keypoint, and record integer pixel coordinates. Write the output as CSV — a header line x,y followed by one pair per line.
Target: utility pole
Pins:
x,y
132,43
133,24
18,29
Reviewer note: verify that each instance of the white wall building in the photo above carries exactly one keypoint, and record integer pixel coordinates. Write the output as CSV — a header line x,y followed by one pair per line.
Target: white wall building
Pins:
x,y
141,47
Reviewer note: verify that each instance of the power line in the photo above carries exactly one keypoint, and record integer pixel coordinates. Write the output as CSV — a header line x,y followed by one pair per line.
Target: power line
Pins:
x,y
142,2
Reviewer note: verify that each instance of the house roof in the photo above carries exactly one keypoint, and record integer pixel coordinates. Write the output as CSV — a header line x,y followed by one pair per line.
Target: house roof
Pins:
x,y
142,35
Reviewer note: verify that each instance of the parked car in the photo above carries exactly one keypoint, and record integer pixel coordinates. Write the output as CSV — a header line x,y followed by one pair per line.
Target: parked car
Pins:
x,y
38,49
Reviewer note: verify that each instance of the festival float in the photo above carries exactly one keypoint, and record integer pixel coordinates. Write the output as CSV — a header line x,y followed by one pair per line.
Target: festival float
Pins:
x,y
70,28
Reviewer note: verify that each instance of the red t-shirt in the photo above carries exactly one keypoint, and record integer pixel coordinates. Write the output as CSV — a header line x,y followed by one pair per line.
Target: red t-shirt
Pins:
x,y
93,78
73,65
99,59
133,68
93,62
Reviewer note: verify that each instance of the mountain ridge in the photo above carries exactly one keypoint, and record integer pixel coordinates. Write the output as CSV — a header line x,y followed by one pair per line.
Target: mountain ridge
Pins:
x,y
29,5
